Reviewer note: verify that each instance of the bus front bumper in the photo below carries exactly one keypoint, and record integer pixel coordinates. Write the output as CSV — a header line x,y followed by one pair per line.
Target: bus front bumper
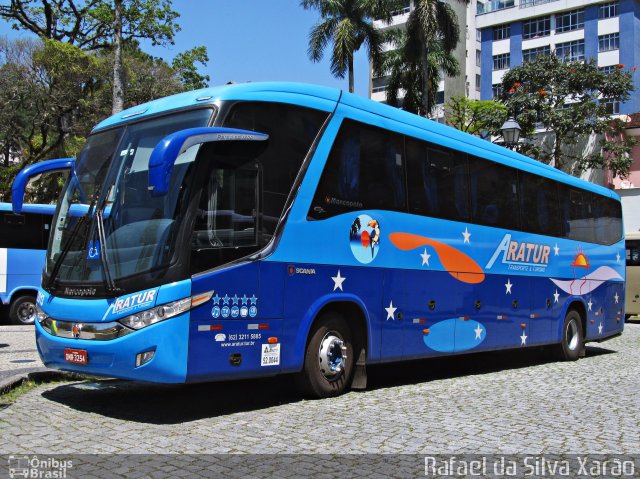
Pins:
x,y
165,343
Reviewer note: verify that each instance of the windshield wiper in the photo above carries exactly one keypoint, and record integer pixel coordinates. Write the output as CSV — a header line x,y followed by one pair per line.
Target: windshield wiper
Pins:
x,y
58,264
109,283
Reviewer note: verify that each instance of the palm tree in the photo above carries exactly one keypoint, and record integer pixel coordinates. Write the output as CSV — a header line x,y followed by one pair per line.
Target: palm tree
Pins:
x,y
407,75
348,25
432,35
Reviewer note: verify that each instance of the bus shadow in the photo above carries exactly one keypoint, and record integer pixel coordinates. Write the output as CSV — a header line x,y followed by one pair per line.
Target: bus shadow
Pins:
x,y
172,404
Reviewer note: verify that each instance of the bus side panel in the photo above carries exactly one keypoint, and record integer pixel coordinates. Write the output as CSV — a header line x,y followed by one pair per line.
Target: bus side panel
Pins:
x,y
24,270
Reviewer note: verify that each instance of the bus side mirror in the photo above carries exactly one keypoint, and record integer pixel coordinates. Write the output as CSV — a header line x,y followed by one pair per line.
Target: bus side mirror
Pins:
x,y
22,178
166,152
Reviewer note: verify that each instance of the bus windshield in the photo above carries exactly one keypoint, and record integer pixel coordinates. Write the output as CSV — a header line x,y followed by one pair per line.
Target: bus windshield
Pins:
x,y
110,184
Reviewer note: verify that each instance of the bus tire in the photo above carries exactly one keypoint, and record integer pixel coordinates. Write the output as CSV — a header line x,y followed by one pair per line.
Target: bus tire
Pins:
x,y
329,358
572,342
23,310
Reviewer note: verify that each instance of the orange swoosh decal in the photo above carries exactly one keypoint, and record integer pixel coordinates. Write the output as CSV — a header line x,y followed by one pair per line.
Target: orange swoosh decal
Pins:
x,y
457,264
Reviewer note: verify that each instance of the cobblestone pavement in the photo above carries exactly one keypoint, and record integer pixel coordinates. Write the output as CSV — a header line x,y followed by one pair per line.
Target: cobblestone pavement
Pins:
x,y
18,353
506,402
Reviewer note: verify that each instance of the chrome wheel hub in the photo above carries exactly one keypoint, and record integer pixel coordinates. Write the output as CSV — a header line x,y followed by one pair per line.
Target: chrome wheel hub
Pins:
x,y
27,313
332,355
573,338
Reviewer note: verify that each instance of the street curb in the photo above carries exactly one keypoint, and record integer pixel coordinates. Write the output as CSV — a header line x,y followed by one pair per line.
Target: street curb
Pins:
x,y
38,376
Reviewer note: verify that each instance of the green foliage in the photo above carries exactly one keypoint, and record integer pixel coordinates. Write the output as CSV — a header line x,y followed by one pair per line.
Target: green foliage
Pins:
x,y
407,73
184,65
88,24
432,35
348,25
569,99
477,117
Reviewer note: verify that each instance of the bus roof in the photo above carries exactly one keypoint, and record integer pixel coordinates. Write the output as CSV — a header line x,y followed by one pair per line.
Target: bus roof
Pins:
x,y
272,91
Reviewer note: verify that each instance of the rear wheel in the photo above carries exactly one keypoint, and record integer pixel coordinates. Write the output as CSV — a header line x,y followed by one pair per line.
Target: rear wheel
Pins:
x,y
329,358
23,310
572,340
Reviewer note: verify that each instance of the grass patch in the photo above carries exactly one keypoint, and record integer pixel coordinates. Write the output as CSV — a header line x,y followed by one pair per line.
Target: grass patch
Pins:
x,y
11,394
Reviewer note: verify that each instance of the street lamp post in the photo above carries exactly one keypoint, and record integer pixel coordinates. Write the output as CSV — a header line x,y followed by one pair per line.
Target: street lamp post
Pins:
x,y
511,132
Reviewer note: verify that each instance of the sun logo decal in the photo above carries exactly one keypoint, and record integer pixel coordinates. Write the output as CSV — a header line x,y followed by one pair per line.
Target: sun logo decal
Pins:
x,y
364,238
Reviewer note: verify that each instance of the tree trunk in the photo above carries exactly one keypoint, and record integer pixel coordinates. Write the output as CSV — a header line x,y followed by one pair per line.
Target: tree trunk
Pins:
x,y
425,80
118,70
351,82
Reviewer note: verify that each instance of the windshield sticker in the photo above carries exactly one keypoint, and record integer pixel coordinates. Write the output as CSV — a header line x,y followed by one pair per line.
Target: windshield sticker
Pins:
x,y
133,302
93,252
364,238
270,355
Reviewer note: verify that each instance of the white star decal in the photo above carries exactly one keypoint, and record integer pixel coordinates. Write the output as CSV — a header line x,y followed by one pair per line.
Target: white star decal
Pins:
x,y
600,328
617,257
337,281
616,297
508,285
590,304
425,257
478,331
556,250
523,338
391,310
556,296
466,235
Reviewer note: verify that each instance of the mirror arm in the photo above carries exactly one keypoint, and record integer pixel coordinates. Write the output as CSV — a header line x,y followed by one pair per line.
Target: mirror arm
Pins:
x,y
22,178
166,152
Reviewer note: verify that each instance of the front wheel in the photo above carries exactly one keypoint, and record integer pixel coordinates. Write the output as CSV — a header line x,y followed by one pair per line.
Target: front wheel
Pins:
x,y
572,340
328,361
23,310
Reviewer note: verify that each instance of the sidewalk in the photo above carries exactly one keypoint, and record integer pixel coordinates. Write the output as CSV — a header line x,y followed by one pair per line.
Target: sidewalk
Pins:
x,y
18,354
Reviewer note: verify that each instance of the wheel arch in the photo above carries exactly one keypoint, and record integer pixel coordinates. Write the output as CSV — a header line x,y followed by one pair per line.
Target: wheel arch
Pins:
x,y
21,291
579,306
351,307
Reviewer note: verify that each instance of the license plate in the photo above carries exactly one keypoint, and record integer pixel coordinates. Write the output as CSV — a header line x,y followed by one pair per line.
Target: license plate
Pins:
x,y
75,356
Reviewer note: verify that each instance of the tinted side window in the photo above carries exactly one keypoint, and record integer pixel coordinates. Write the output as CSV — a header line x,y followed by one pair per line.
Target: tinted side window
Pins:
x,y
437,180
577,214
291,131
494,194
24,231
607,220
633,252
539,205
365,170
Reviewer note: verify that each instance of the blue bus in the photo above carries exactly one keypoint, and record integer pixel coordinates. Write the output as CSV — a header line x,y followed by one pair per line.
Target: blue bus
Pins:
x,y
24,235
23,243
265,228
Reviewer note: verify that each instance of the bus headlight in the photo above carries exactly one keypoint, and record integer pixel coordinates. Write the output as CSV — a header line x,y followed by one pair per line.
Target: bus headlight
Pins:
x,y
151,316
40,315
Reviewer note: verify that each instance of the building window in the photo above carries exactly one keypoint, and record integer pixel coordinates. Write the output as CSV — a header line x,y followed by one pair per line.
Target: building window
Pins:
x,y
379,84
478,35
536,27
501,32
478,58
612,108
477,82
532,53
608,69
573,20
497,90
609,10
501,62
570,51
609,42
440,97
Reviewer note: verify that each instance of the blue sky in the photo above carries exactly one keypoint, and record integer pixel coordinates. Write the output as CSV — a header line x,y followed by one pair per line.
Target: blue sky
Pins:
x,y
252,40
